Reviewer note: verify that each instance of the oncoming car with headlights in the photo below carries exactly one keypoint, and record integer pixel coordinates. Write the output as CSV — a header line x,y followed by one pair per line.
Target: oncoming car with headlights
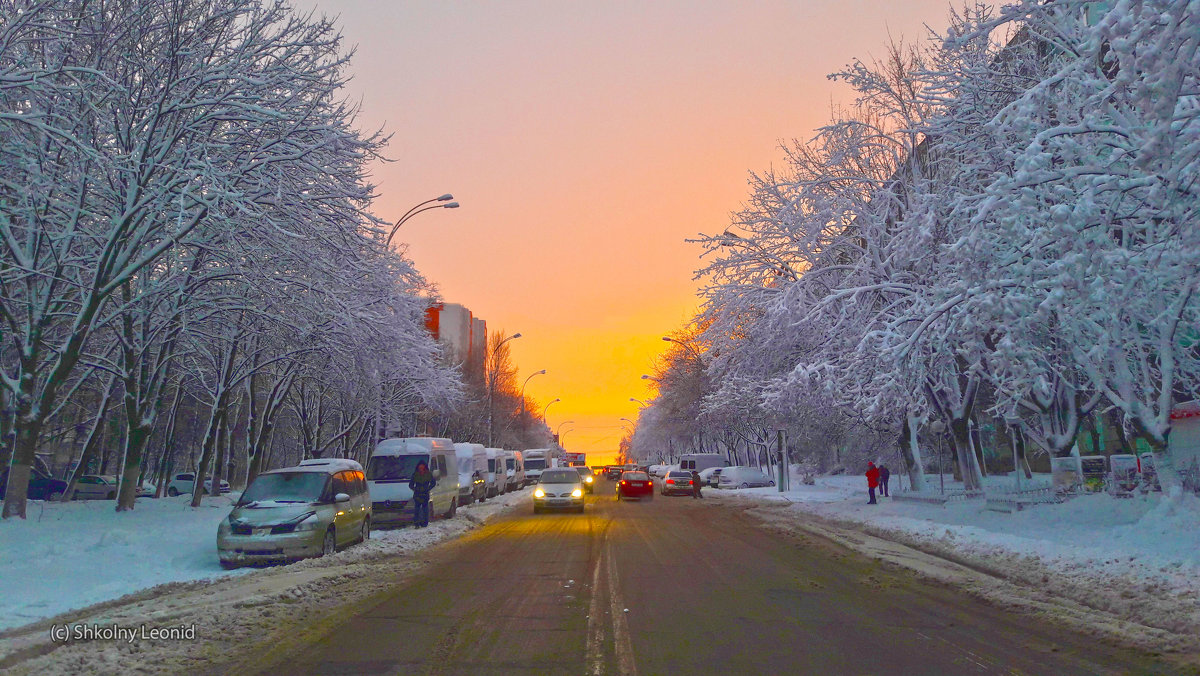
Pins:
x,y
588,477
558,489
286,514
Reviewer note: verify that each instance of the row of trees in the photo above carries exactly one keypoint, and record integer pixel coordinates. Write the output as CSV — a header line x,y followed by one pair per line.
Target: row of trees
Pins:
x,y
185,243
1002,227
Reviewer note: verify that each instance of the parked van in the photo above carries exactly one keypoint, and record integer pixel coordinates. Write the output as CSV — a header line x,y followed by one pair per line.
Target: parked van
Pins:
x,y
496,479
391,468
696,462
472,473
296,512
514,464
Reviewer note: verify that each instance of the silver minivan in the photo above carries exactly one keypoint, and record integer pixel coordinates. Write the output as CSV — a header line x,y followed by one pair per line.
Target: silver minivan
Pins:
x,y
312,509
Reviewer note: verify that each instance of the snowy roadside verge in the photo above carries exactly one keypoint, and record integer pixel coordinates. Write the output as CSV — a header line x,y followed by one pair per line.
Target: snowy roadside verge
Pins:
x,y
247,612
1125,568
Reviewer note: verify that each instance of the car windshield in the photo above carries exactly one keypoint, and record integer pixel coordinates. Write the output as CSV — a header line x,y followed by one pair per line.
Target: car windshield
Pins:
x,y
394,467
635,476
286,487
583,471
560,476
535,463
510,463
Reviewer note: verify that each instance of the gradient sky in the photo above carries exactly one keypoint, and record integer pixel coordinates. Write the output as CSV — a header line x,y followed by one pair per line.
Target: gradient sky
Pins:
x,y
585,142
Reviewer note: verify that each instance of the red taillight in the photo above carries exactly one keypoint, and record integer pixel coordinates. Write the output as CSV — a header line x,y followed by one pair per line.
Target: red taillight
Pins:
x,y
670,481
622,483
689,482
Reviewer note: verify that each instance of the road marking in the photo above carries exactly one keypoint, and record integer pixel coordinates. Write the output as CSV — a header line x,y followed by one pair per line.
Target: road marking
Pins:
x,y
621,642
595,628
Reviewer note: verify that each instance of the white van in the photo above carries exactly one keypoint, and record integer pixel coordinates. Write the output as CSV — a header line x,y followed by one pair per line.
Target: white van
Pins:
x,y
515,469
496,479
536,460
696,462
391,468
472,473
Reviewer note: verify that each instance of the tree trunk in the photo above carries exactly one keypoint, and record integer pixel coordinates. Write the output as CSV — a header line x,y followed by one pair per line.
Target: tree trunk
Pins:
x,y
92,442
977,447
964,450
206,451
910,450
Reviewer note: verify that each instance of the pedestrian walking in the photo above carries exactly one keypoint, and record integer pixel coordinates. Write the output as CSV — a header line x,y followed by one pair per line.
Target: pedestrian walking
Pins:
x,y
696,485
422,484
884,475
872,481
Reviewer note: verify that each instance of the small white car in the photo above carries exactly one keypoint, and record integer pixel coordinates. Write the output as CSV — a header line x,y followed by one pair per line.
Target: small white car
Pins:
x,y
184,483
96,487
743,477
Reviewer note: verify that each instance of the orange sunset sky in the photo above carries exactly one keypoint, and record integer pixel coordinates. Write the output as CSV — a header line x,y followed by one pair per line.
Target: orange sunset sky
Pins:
x,y
585,142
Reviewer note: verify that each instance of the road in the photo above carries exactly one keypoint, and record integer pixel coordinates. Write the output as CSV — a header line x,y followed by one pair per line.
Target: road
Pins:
x,y
677,586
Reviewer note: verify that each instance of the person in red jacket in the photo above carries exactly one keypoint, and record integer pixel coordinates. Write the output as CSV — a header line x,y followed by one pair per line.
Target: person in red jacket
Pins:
x,y
872,481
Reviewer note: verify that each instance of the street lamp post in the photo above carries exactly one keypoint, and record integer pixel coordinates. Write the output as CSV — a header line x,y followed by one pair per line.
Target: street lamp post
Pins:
x,y
560,426
639,402
492,387
535,373
544,410
560,438
418,209
629,421
688,346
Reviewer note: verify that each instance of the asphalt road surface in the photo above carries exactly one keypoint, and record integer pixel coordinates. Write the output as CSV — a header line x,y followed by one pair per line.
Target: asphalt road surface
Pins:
x,y
681,586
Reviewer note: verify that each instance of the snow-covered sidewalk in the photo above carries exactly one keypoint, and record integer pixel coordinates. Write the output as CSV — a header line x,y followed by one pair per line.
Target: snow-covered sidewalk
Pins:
x,y
1137,558
72,555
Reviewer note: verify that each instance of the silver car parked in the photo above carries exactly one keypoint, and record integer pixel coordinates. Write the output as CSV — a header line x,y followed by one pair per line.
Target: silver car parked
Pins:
x,y
286,514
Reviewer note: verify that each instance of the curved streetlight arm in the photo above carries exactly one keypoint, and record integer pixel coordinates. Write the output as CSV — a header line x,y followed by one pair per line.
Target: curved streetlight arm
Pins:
x,y
639,402
547,408
418,209
560,426
688,346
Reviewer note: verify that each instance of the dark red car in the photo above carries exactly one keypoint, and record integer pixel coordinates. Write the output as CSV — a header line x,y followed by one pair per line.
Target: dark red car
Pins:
x,y
635,485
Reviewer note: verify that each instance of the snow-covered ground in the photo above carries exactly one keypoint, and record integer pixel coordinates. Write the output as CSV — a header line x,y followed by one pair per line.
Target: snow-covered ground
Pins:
x,y
75,554
1138,558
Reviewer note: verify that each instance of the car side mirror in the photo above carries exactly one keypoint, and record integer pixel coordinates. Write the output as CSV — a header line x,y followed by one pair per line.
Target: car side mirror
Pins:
x,y
341,497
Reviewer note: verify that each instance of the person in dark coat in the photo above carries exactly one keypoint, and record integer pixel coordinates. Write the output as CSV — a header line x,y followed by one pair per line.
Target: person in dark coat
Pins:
x,y
884,475
422,484
872,481
696,485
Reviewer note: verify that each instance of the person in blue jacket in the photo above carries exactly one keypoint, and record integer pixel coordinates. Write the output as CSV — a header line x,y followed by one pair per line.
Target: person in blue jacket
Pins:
x,y
422,484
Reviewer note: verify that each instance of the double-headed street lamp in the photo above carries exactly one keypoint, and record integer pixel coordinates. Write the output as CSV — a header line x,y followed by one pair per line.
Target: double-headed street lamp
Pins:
x,y
418,209
535,373
492,386
560,426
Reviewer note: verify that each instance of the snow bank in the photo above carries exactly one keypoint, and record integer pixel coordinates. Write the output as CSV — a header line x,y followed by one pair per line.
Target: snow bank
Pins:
x,y
72,555
1138,557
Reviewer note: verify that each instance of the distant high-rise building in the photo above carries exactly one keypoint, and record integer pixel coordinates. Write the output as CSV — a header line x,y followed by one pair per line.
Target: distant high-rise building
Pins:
x,y
462,335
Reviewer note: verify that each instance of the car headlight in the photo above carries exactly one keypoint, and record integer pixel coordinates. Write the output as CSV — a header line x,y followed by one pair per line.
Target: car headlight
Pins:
x,y
309,522
588,479
577,493
539,493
